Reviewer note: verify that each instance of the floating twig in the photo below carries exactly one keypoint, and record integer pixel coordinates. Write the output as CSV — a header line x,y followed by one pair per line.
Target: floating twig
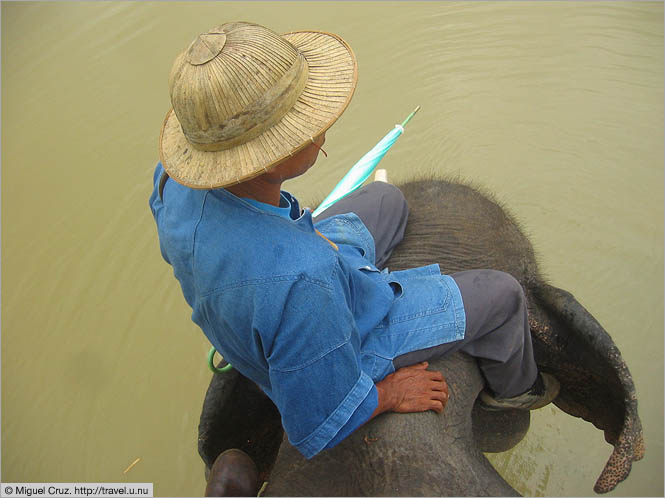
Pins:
x,y
131,465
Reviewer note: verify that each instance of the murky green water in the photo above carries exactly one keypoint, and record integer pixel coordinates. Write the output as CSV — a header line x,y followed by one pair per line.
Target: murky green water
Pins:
x,y
557,107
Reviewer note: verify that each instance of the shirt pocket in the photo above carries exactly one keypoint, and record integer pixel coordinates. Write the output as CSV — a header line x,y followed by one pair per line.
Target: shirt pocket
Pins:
x,y
428,313
418,297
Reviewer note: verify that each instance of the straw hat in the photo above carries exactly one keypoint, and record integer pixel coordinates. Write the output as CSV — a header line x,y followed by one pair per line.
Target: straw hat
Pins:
x,y
245,98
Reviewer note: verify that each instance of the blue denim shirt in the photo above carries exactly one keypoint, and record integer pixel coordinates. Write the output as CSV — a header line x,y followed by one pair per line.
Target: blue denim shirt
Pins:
x,y
315,324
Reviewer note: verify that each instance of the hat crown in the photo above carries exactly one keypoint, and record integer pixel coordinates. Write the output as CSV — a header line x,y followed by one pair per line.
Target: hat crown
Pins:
x,y
205,47
233,83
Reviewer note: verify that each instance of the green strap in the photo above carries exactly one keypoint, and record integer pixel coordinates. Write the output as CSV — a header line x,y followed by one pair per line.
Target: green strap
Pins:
x,y
212,366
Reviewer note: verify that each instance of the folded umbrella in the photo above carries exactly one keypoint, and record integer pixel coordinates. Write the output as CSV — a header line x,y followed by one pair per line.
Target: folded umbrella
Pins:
x,y
360,171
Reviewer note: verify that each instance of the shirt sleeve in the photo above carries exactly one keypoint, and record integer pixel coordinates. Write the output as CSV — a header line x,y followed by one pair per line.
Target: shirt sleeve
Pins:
x,y
359,417
315,368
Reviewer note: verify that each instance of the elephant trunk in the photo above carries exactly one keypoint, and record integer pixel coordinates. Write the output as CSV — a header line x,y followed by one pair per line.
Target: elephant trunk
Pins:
x,y
596,384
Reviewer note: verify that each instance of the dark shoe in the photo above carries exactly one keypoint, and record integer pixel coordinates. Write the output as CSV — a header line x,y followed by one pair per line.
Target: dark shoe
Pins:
x,y
542,393
233,474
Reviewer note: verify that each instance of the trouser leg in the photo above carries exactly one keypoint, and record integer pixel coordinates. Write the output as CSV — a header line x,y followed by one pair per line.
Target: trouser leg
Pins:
x,y
497,332
383,210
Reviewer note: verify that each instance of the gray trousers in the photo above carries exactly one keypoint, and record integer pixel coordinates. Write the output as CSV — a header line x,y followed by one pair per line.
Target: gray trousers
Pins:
x,y
497,329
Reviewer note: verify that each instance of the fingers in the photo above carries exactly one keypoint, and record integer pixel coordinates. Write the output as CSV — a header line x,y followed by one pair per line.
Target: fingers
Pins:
x,y
438,401
419,371
436,375
440,396
439,385
417,389
436,406
438,392
425,398
438,382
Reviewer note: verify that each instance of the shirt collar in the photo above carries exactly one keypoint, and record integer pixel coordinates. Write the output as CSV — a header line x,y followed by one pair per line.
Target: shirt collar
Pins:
x,y
284,208
303,219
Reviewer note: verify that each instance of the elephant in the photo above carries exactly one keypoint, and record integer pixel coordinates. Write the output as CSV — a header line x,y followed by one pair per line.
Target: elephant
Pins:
x,y
425,454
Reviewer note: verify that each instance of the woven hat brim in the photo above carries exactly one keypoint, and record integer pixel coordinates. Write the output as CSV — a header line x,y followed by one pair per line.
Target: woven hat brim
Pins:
x,y
332,79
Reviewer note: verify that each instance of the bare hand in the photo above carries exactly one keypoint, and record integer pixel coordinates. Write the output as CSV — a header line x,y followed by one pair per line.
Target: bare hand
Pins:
x,y
413,389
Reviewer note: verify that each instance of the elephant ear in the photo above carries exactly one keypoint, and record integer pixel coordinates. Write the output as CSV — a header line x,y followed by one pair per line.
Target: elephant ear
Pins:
x,y
462,228
596,384
237,414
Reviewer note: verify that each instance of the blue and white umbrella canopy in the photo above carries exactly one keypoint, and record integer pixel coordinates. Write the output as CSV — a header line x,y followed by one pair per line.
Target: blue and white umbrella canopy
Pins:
x,y
361,171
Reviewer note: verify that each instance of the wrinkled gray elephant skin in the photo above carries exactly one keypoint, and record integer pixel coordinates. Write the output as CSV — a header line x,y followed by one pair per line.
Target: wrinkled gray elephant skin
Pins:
x,y
425,454
415,454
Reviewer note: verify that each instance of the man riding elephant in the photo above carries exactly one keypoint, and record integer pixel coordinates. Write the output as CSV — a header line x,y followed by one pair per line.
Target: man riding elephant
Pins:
x,y
301,306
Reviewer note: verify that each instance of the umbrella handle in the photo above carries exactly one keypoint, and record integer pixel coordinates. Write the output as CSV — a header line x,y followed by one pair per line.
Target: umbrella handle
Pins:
x,y
408,118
